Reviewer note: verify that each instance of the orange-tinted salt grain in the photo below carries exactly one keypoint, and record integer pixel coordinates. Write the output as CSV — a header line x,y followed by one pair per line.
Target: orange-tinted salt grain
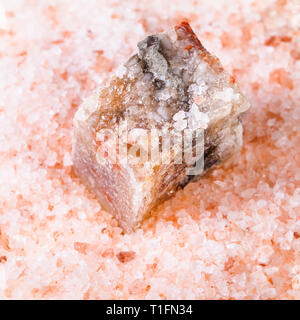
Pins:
x,y
282,77
125,256
81,247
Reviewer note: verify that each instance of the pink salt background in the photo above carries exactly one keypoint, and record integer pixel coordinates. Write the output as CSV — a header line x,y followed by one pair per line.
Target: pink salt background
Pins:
x,y
233,235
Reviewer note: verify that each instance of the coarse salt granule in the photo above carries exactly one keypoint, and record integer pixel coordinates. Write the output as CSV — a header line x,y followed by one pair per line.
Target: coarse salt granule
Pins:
x,y
235,234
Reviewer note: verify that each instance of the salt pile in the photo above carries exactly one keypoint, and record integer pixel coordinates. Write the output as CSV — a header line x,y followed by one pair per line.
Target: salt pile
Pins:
x,y
234,234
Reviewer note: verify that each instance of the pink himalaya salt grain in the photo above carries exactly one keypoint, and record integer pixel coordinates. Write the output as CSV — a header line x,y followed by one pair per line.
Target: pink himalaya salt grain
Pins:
x,y
166,117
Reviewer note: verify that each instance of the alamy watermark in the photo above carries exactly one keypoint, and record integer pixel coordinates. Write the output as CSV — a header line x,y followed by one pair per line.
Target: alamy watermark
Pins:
x,y
138,146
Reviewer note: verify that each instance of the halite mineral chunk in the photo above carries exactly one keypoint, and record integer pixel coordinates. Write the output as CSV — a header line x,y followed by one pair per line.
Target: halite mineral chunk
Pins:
x,y
131,139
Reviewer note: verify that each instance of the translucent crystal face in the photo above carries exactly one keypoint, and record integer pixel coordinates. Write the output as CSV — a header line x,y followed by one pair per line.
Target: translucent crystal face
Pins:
x,y
172,86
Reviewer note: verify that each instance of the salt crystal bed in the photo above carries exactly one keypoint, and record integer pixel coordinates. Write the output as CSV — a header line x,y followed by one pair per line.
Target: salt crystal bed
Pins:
x,y
235,234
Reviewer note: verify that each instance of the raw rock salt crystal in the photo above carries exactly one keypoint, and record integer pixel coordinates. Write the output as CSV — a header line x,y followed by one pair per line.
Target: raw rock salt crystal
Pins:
x,y
173,82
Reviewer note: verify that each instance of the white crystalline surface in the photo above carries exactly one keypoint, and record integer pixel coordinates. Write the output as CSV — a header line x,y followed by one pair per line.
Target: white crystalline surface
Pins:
x,y
233,234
